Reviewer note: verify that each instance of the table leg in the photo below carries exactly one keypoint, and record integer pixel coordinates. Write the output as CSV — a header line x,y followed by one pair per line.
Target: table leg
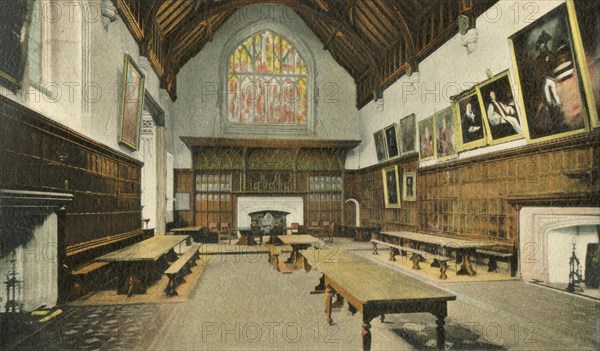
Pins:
x,y
440,311
366,333
375,252
392,255
294,255
328,302
415,260
492,264
465,265
443,269
320,288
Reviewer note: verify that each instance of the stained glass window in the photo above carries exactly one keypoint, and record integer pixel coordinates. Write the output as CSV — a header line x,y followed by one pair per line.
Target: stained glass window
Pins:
x,y
267,82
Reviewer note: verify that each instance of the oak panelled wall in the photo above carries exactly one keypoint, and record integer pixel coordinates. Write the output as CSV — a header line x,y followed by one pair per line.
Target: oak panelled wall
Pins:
x,y
38,154
479,197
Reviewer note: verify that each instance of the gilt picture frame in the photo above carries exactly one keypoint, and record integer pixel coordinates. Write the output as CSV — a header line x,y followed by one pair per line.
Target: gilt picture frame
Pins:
x,y
468,118
426,139
380,145
131,103
409,186
501,115
550,89
391,139
407,132
391,187
445,141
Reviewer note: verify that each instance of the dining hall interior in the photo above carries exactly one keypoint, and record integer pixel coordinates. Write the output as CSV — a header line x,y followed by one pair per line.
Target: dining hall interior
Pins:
x,y
299,175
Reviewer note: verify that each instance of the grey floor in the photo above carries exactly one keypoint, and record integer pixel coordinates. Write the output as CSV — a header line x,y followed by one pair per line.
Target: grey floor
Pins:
x,y
242,303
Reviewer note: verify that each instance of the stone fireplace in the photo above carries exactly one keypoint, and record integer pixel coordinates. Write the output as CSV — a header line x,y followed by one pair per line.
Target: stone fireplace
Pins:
x,y
547,235
251,204
29,228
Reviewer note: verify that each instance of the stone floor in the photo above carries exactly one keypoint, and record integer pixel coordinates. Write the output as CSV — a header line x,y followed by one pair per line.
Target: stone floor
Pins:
x,y
242,303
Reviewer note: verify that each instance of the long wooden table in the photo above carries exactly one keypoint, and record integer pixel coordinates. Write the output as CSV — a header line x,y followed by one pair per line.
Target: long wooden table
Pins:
x,y
298,242
375,290
194,232
140,264
464,248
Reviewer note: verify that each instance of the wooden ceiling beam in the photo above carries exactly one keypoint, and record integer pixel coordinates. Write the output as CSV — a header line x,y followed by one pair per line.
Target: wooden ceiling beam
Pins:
x,y
300,6
377,17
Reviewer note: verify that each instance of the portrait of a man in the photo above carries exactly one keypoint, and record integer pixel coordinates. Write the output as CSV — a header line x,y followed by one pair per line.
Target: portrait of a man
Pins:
x,y
549,80
391,187
471,131
444,133
501,112
380,145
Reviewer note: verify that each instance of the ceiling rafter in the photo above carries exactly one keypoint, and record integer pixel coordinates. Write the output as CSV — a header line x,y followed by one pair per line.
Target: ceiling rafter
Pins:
x,y
376,41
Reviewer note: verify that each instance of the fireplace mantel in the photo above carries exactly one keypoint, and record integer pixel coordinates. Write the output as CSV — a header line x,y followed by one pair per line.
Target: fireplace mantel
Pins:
x,y
248,204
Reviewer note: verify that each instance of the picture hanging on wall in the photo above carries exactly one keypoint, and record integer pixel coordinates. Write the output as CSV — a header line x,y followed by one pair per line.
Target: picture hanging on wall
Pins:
x,y
469,121
407,134
409,188
550,83
426,139
132,102
501,115
444,133
585,25
391,187
391,138
380,145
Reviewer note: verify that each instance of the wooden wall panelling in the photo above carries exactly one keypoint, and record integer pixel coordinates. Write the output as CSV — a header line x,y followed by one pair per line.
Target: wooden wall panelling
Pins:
x,y
474,197
39,154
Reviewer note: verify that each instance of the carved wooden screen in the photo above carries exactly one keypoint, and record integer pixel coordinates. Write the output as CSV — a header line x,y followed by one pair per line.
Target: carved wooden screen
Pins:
x,y
322,170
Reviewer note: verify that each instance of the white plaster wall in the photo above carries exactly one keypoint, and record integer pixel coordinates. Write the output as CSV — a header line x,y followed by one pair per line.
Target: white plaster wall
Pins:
x,y
73,83
197,109
560,248
448,71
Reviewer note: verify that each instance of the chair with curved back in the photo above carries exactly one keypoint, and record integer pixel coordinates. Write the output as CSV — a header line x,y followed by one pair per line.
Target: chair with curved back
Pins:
x,y
225,232
328,228
213,229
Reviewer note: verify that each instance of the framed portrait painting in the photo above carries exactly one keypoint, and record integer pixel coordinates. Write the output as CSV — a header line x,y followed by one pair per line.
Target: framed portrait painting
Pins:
x,y
550,83
132,102
426,139
469,121
501,115
444,133
391,138
409,188
407,134
380,145
391,187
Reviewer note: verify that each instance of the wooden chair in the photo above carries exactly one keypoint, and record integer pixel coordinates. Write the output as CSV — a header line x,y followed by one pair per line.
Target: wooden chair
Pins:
x,y
295,227
225,232
328,228
213,229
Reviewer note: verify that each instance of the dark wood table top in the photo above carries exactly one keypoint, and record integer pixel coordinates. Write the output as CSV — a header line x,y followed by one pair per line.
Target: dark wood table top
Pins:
x,y
370,282
148,250
455,243
187,229
299,239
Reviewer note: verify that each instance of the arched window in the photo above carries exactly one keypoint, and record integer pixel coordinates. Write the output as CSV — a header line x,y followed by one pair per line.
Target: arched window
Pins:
x,y
267,82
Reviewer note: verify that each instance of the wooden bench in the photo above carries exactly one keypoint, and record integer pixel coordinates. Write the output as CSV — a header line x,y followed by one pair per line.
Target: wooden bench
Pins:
x,y
493,256
274,254
180,268
417,256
